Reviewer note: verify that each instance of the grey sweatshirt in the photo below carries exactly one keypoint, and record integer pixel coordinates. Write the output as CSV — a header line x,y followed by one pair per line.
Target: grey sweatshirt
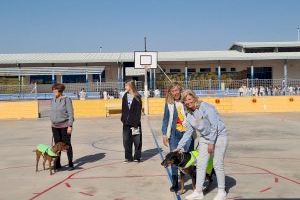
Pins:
x,y
62,111
207,122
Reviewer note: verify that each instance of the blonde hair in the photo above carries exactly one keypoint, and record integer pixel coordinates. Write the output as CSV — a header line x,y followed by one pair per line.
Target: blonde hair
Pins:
x,y
169,97
131,84
193,95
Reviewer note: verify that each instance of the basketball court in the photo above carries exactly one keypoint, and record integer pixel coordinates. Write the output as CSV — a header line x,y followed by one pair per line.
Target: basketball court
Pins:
x,y
262,160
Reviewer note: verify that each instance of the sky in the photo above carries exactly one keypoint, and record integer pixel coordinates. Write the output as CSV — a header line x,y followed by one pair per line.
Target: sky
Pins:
x,y
44,26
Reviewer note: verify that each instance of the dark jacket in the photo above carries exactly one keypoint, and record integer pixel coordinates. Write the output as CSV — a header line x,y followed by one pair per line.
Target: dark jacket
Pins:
x,y
132,116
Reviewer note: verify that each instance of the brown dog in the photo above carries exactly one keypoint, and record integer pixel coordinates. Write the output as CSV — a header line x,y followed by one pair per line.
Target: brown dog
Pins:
x,y
49,154
180,159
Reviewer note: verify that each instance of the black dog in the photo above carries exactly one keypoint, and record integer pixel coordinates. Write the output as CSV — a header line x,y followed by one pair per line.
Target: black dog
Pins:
x,y
183,161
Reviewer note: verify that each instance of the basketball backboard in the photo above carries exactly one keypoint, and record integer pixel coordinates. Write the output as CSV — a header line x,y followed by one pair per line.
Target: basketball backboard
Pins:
x,y
145,58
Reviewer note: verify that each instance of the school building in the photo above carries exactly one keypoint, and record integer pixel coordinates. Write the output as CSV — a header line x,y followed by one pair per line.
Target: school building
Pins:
x,y
252,60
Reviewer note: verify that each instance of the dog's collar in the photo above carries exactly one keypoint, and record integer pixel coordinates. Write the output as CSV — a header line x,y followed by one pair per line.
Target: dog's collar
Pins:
x,y
192,161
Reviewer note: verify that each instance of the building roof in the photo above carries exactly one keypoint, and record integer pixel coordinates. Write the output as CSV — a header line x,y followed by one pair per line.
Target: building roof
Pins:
x,y
266,44
83,58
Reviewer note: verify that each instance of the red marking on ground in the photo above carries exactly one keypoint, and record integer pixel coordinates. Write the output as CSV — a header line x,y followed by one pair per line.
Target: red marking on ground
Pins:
x,y
266,189
67,178
276,180
130,176
265,158
68,185
246,173
268,171
88,194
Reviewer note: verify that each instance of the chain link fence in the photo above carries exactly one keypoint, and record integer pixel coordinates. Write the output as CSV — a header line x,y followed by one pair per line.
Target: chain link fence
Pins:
x,y
96,90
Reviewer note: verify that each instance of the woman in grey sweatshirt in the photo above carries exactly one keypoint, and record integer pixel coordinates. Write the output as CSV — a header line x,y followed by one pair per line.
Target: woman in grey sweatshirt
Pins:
x,y
62,118
204,118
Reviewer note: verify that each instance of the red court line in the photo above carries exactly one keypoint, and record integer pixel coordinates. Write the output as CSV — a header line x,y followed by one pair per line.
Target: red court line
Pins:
x,y
266,189
88,194
68,185
67,178
246,173
130,176
268,171
265,158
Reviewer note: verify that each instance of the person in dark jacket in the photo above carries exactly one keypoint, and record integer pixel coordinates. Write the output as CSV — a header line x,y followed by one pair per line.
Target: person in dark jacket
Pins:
x,y
131,119
62,118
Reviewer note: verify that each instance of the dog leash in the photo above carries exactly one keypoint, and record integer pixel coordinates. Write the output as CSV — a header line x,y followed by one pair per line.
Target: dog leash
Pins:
x,y
52,141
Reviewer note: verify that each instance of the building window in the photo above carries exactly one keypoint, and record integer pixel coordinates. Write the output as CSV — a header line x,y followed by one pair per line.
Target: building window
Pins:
x,y
191,70
222,69
74,78
260,72
175,70
204,70
96,77
42,79
233,69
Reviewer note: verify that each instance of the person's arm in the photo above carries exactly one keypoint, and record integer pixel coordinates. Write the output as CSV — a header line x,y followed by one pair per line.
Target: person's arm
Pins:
x,y
165,121
165,124
213,119
70,111
138,112
124,103
186,136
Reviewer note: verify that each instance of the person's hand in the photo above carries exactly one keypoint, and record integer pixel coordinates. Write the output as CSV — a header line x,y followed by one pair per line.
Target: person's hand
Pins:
x,y
166,141
211,148
69,130
178,150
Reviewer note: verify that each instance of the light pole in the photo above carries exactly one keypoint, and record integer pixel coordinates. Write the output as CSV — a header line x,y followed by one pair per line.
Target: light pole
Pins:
x,y
298,30
100,49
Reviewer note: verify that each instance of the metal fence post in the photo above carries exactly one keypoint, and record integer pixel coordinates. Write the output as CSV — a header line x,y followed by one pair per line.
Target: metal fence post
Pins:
x,y
35,90
209,86
247,83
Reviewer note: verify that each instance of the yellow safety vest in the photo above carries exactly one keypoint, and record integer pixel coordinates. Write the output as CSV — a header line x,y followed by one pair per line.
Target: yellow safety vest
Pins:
x,y
192,161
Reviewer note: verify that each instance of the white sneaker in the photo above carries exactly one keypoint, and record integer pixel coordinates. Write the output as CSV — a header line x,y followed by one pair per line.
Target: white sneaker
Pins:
x,y
221,195
195,195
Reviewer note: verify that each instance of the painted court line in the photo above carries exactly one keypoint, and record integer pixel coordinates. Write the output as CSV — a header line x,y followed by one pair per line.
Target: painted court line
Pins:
x,y
161,156
268,171
266,189
38,194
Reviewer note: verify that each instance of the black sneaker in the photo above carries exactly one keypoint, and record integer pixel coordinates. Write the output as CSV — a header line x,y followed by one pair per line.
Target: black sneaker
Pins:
x,y
71,167
57,166
137,160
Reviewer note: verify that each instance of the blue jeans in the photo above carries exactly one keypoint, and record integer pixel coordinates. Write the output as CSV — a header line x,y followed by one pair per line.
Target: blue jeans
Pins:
x,y
173,142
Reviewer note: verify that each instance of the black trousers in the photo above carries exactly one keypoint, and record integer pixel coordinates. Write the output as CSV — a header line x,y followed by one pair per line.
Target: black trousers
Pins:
x,y
61,135
129,140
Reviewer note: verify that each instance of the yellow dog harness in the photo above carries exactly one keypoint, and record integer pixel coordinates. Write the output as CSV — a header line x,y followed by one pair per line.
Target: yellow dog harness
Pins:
x,y
193,159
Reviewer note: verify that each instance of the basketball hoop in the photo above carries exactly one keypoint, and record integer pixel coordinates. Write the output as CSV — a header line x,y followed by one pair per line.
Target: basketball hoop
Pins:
x,y
145,60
